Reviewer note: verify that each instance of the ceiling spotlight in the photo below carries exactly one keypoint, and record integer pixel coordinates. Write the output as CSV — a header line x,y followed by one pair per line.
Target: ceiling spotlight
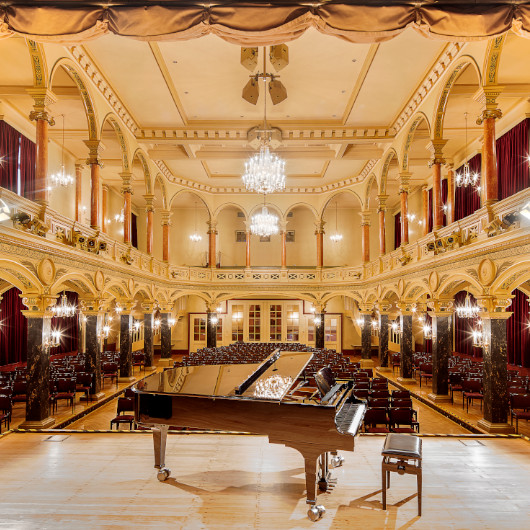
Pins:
x,y
279,56
277,91
249,58
251,91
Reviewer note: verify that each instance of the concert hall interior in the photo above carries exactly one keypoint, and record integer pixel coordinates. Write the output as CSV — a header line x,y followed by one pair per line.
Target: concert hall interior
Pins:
x,y
263,238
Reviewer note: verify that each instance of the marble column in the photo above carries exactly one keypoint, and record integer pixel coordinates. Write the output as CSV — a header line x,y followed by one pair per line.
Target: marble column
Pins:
x,y
93,324
95,182
425,209
437,204
149,318
126,358
319,330
496,399
404,179
383,341
78,192
104,207
450,211
211,329
127,207
165,338
319,233
247,242
212,235
381,199
441,352
406,349
149,210
365,236
38,371
42,98
166,223
366,335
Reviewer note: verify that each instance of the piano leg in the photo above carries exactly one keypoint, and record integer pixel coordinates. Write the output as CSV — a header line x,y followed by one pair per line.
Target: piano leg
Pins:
x,y
159,441
316,511
325,481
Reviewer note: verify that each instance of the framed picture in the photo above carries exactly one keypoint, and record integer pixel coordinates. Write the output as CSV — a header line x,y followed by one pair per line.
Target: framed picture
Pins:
x,y
264,239
241,236
289,236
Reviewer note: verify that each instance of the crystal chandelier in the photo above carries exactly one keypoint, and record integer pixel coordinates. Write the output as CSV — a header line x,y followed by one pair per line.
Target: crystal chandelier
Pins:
x,y
195,237
120,217
336,237
62,178
264,224
466,178
478,335
427,331
63,309
468,310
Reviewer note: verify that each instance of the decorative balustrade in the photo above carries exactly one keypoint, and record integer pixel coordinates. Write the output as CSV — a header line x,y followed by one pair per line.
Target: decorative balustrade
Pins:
x,y
59,230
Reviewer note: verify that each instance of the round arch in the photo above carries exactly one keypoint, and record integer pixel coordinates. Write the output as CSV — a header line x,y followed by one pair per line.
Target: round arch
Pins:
x,y
143,158
370,182
336,194
306,205
20,277
196,194
38,64
75,282
225,205
122,140
417,120
160,181
388,157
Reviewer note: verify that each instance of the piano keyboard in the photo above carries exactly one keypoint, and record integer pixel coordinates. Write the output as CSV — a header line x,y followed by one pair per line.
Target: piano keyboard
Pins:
x,y
349,418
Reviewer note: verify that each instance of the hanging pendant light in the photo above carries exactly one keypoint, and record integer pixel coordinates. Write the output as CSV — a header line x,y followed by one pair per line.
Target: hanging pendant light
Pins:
x,y
64,309
62,178
466,178
195,237
468,310
264,224
336,237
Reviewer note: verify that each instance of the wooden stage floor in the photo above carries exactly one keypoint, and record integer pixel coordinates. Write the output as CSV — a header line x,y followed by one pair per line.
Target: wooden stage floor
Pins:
x,y
94,481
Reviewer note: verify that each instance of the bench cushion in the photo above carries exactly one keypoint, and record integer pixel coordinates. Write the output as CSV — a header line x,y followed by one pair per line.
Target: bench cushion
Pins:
x,y
402,445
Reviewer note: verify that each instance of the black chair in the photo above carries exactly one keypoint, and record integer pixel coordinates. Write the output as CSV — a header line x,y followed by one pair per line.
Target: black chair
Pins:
x,y
109,370
66,390
125,404
5,411
402,420
376,420
84,384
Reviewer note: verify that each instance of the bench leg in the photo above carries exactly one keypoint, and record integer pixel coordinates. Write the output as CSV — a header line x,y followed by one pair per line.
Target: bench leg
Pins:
x,y
384,475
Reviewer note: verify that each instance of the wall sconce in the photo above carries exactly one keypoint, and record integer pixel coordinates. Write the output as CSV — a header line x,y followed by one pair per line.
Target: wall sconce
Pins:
x,y
214,320
427,332
375,324
136,326
360,322
156,324
118,309
171,321
317,320
53,340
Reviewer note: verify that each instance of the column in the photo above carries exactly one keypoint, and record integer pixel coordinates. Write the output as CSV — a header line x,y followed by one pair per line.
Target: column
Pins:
x,y
283,234
42,98
211,329
126,358
247,241
93,310
406,344
365,236
166,223
366,339
78,191
127,207
149,210
381,210
425,209
95,182
165,336
212,234
383,341
104,207
442,346
319,329
319,232
149,317
496,399
436,146
450,211
38,362
404,179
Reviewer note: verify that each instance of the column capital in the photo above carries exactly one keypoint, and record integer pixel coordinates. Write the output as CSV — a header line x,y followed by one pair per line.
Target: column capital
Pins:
x,y
127,306
149,306
126,178
95,147
488,114
492,305
383,307
42,98
38,306
441,306
166,217
436,148
365,218
319,227
149,202
404,180
381,202
93,305
283,226
212,226
406,307
165,307
487,96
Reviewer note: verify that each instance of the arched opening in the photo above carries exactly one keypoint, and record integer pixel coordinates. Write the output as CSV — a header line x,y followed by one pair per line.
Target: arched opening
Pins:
x,y
13,327
266,251
232,234
300,241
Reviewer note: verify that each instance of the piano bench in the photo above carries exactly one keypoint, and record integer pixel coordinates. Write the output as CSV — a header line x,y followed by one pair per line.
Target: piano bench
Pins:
x,y
401,453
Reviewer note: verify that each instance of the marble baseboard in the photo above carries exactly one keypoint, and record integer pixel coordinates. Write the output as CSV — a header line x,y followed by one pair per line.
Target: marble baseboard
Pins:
x,y
496,428
46,423
440,398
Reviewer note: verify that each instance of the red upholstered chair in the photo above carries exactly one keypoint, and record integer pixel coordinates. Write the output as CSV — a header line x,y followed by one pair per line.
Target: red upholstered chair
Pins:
x,y
455,383
378,402
425,372
471,389
5,411
396,361
19,390
109,370
125,404
400,394
520,409
84,384
402,420
66,390
376,420
139,359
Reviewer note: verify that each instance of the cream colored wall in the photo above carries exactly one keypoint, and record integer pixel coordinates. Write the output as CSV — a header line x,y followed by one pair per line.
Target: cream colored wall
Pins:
x,y
415,208
303,252
183,251
265,254
232,254
180,334
61,197
142,228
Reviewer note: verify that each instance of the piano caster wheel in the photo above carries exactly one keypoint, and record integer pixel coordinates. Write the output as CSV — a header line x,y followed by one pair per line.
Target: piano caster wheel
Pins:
x,y
163,474
337,461
316,512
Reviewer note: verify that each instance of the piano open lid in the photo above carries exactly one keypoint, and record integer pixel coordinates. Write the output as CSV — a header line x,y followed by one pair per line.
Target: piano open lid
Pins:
x,y
274,378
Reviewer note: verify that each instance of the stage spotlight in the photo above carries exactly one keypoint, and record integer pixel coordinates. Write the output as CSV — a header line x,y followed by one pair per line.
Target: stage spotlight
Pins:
x,y
277,91
251,91
249,58
279,56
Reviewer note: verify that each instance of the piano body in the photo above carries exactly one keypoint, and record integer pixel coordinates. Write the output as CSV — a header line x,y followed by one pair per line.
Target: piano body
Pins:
x,y
262,399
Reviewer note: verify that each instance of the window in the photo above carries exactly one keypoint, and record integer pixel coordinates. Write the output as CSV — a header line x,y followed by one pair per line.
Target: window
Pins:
x,y
220,330
254,323
330,330
276,322
199,329
293,321
237,322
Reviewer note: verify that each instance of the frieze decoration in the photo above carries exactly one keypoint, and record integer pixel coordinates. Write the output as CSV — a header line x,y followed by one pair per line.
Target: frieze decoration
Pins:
x,y
46,271
493,54
506,285
434,281
473,273
23,221
99,280
37,58
487,271
443,244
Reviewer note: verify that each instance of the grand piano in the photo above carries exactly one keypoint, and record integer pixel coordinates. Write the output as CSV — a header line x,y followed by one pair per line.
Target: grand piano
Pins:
x,y
269,398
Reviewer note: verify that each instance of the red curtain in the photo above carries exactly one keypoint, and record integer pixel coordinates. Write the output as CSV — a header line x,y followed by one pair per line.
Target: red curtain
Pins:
x,y
430,213
397,230
518,331
69,327
134,230
512,164
467,199
9,148
28,151
14,328
464,328
444,200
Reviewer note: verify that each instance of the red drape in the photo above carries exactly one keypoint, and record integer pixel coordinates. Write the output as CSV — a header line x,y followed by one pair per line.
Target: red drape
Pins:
x,y
512,163
444,199
397,230
69,327
134,230
28,152
467,199
9,147
13,330
464,328
518,331
430,213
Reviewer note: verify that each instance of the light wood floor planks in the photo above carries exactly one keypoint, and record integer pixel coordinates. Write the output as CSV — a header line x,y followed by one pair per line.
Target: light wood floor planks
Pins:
x,y
230,482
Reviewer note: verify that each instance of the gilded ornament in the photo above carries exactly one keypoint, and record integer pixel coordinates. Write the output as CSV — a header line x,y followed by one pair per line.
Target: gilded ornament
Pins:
x,y
99,280
46,271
